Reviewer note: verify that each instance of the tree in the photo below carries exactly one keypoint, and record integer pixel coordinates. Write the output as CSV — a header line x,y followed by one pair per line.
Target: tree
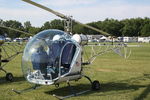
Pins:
x,y
1,29
112,27
46,25
78,29
126,27
146,30
54,24
13,24
130,27
27,26
34,30
57,24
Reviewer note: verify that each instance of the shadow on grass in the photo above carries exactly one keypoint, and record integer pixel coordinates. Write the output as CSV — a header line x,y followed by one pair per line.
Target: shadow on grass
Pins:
x,y
117,87
110,88
16,79
64,91
144,93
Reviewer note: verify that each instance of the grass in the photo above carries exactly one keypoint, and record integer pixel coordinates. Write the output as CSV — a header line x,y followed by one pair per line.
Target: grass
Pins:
x,y
121,79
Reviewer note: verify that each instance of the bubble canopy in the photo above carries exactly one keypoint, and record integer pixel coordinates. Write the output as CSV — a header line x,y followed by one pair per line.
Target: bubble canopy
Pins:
x,y
41,57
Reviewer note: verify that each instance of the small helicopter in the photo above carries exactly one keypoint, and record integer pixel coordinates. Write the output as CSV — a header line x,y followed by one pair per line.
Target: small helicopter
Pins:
x,y
9,76
8,51
54,56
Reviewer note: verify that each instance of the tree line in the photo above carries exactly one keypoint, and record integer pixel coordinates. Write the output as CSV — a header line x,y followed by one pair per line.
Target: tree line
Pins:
x,y
126,27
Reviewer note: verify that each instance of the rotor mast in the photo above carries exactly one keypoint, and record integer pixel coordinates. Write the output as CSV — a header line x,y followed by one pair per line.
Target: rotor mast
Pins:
x,y
68,25
64,17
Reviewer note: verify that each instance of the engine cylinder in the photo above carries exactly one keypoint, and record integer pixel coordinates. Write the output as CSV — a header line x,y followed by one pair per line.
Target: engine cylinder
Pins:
x,y
81,39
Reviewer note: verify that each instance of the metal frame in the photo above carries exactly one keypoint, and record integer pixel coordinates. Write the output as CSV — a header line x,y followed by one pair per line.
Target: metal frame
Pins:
x,y
72,90
36,86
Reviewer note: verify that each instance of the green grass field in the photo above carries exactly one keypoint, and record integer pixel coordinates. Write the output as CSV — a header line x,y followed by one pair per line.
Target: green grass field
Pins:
x,y
121,79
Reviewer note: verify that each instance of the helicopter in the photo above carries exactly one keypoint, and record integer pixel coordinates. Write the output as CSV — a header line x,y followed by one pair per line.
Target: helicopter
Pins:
x,y
54,56
8,51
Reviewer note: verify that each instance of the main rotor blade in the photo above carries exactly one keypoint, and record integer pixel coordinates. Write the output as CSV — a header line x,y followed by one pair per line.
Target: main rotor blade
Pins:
x,y
93,28
46,8
9,28
64,17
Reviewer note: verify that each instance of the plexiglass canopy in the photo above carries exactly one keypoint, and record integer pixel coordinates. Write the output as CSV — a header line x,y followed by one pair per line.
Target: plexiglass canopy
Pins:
x,y
41,57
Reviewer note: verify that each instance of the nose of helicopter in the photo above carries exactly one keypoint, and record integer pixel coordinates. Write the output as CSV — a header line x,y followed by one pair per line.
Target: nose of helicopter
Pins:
x,y
41,57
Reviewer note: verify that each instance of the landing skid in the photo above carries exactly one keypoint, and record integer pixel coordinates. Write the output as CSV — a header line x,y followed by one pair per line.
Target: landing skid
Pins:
x,y
72,95
26,90
94,86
